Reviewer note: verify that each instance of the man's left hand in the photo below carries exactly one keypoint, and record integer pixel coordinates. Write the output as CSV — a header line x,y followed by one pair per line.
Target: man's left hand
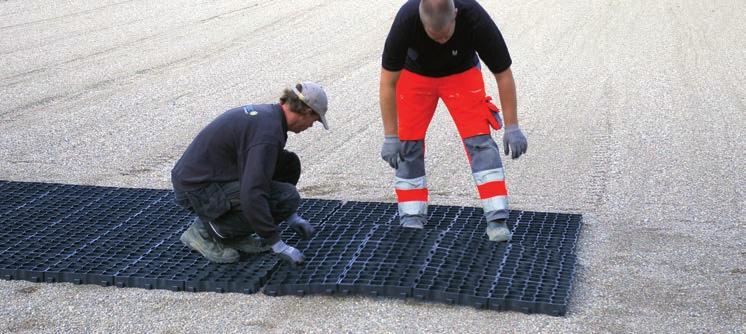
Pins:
x,y
514,142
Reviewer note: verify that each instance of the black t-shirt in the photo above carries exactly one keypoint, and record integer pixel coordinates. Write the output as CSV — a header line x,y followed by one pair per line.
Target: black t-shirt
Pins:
x,y
409,47
241,144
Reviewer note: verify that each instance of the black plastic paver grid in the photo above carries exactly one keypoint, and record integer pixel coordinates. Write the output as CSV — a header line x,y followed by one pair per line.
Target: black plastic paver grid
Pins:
x,y
130,238
116,236
450,261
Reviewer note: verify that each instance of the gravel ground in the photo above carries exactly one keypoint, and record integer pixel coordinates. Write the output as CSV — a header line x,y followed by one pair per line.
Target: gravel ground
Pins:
x,y
634,111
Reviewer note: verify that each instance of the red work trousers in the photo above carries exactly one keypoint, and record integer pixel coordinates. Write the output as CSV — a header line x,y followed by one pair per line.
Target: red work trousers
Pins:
x,y
464,96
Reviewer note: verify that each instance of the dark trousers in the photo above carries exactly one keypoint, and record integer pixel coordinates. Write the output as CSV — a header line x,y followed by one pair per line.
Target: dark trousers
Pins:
x,y
219,203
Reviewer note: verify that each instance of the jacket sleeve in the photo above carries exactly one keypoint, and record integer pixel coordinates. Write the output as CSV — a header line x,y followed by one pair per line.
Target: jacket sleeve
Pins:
x,y
489,42
397,43
256,180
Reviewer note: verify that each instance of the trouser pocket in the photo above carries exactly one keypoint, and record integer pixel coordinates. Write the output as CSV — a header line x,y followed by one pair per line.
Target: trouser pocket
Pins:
x,y
493,114
209,202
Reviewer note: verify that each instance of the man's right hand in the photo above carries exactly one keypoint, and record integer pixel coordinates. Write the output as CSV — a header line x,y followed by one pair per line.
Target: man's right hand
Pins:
x,y
301,226
288,254
390,150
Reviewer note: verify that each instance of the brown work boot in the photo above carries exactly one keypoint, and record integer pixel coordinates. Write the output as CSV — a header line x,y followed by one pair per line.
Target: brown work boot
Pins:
x,y
197,238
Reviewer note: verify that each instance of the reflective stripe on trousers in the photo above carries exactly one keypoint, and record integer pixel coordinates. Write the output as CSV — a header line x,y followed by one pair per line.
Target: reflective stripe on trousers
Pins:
x,y
410,183
411,194
489,176
492,191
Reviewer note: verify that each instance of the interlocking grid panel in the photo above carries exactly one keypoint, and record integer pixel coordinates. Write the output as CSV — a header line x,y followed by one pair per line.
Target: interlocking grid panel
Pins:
x,y
116,236
130,238
450,261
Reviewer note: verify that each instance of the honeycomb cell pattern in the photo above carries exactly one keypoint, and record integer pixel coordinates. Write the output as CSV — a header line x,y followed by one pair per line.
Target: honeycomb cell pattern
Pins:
x,y
129,237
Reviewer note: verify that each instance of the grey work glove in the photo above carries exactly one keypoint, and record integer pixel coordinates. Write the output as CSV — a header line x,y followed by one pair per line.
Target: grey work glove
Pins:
x,y
514,142
390,150
301,226
288,254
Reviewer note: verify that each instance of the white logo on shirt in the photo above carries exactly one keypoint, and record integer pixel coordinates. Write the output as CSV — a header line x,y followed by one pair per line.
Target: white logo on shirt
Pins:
x,y
454,52
249,112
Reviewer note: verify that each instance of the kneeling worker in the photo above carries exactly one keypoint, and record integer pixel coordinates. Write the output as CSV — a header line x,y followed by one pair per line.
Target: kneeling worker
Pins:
x,y
238,178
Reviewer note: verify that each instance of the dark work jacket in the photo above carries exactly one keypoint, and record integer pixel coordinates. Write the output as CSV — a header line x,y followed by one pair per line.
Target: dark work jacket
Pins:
x,y
241,144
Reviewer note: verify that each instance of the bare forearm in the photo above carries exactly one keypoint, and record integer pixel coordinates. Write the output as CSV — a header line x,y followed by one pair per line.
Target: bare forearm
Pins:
x,y
508,101
387,101
388,111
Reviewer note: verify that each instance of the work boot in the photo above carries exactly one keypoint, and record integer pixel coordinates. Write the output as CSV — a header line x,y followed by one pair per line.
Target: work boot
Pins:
x,y
498,231
413,221
251,244
197,238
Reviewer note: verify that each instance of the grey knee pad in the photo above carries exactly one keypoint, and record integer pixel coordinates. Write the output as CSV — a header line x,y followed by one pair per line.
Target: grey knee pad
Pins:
x,y
412,164
483,152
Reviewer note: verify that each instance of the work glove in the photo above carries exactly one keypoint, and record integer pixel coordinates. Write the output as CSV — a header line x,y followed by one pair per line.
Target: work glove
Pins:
x,y
289,254
300,226
514,142
390,150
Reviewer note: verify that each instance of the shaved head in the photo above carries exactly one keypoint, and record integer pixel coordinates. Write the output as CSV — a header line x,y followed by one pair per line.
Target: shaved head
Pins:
x,y
437,14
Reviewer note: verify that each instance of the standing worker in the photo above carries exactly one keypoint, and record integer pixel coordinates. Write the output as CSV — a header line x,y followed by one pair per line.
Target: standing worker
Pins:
x,y
239,180
431,53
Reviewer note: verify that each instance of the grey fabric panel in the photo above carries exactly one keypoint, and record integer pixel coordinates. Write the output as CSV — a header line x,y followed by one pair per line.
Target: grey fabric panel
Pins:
x,y
489,175
484,153
416,183
485,156
496,214
412,164
412,209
